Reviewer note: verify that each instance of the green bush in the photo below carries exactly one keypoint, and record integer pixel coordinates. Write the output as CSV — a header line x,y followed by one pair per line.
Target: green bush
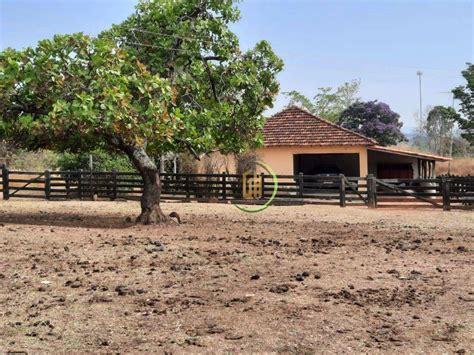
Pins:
x,y
101,161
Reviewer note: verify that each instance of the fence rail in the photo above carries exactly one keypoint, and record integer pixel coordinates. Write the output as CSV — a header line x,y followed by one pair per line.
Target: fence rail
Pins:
x,y
445,192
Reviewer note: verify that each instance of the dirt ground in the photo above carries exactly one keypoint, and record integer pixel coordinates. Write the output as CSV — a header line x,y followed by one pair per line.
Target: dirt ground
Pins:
x,y
76,276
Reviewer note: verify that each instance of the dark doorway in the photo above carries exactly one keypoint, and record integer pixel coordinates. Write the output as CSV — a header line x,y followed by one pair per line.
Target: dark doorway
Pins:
x,y
394,171
326,164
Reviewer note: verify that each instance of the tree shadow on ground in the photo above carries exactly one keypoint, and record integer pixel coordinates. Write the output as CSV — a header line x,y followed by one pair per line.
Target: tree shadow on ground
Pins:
x,y
52,219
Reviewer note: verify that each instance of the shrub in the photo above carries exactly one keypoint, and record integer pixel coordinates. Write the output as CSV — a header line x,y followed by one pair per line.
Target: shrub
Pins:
x,y
102,161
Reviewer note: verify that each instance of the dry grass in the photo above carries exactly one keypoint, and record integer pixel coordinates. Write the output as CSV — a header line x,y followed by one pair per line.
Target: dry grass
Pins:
x,y
458,166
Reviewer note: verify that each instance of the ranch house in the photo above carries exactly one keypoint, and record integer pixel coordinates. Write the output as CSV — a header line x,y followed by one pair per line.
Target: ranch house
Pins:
x,y
296,141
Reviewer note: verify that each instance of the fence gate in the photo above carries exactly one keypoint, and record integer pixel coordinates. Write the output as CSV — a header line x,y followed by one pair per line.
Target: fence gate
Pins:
x,y
409,191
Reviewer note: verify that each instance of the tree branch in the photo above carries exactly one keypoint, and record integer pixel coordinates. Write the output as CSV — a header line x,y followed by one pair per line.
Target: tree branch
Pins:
x,y
209,74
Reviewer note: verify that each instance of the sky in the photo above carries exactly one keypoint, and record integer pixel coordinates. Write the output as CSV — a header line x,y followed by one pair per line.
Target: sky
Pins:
x,y
323,43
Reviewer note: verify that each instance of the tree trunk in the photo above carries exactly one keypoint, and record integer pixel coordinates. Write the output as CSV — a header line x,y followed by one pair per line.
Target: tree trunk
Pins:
x,y
150,200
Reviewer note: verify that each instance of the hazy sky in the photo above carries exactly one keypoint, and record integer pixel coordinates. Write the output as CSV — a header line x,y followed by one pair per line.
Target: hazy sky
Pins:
x,y
323,43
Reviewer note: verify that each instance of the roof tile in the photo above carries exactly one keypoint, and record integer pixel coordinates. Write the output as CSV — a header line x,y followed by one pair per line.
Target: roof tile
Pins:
x,y
296,127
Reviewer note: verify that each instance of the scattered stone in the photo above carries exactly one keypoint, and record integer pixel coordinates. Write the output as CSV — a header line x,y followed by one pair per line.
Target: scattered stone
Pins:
x,y
73,284
317,275
279,288
123,291
255,277
299,277
233,336
100,299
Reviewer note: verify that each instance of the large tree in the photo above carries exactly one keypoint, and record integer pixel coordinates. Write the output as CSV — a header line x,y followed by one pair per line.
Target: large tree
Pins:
x,y
328,102
171,77
465,94
375,120
439,129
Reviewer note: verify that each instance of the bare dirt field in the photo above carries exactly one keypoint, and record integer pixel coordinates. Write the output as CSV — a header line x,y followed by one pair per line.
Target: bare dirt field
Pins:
x,y
76,276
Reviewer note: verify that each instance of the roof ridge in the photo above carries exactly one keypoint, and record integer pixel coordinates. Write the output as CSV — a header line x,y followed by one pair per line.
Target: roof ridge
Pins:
x,y
293,106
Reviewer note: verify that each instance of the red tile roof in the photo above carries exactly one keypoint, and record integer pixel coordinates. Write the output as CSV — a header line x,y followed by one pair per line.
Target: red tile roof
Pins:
x,y
296,127
409,153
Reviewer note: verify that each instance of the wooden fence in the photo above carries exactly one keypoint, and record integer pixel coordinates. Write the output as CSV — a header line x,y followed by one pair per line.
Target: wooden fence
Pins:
x,y
456,192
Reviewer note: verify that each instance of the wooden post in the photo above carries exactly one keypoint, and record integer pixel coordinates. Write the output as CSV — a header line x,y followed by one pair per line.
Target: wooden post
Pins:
x,y
445,188
371,191
79,184
262,181
188,193
68,183
114,181
47,184
342,191
224,186
301,185
91,190
5,182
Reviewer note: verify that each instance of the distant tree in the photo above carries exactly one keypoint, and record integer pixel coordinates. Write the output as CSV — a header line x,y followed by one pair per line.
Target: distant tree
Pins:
x,y
461,147
375,120
465,94
172,77
328,103
439,128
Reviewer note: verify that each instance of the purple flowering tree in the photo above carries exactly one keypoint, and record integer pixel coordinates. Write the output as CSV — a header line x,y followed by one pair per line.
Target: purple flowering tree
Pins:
x,y
375,120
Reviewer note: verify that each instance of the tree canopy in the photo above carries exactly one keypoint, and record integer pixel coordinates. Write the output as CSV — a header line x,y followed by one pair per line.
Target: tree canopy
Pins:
x,y
328,103
375,120
171,77
465,94
439,127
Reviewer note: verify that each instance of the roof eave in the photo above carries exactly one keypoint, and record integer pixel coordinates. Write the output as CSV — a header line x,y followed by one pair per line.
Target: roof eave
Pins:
x,y
408,153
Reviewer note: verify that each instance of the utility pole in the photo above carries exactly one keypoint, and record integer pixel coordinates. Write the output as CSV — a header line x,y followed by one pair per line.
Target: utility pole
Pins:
x,y
420,73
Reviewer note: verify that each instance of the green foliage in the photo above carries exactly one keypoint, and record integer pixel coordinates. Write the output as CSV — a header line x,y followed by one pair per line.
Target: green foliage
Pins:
x,y
328,103
465,94
439,129
181,82
102,161
79,92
